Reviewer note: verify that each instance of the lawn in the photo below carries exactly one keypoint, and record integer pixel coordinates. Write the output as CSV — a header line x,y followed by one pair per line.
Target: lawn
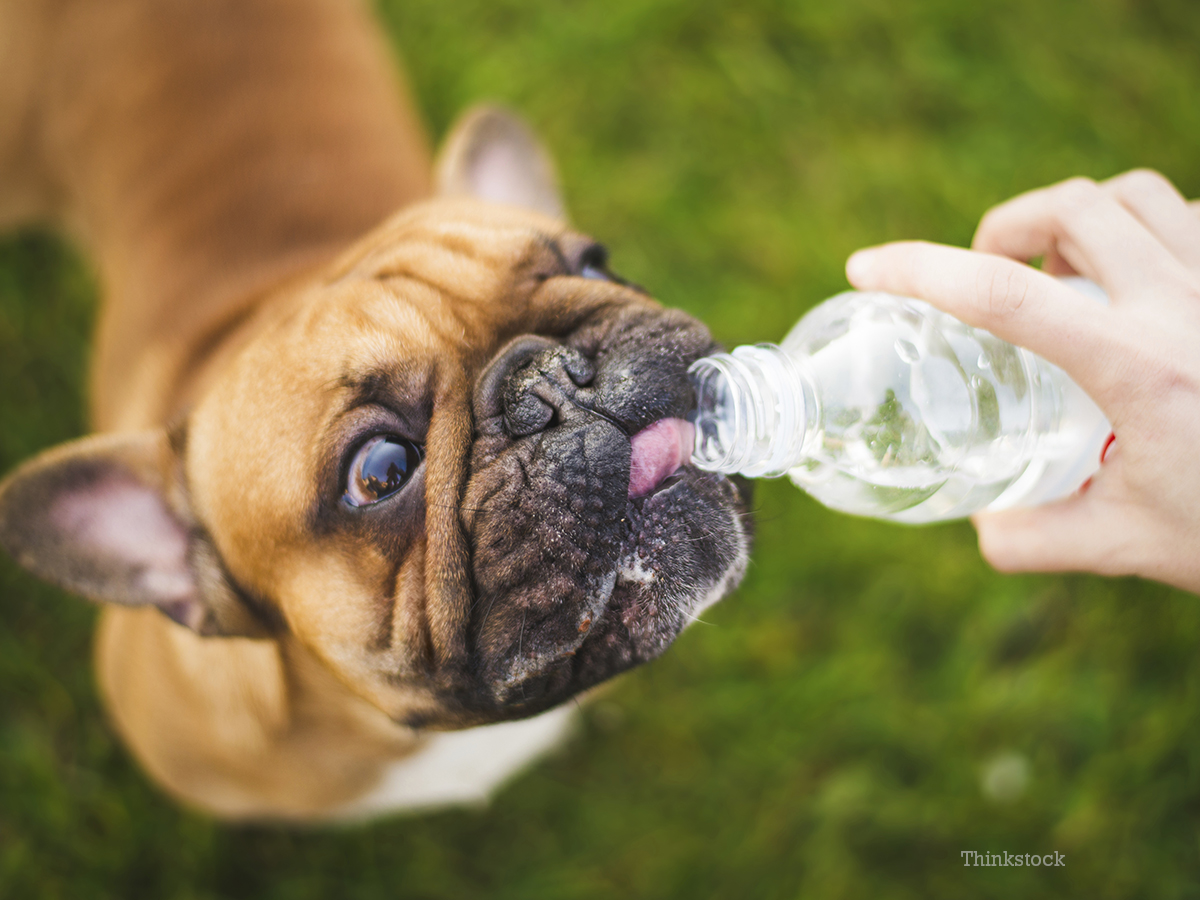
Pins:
x,y
874,700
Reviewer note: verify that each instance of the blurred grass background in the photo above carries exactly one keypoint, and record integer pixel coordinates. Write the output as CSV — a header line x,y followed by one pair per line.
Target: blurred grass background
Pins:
x,y
873,700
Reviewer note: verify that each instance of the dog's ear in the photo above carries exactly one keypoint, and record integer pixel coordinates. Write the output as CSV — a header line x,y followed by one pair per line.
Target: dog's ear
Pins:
x,y
104,517
492,155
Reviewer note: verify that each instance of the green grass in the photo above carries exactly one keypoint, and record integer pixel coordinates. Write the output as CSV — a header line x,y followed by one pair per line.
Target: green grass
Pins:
x,y
826,732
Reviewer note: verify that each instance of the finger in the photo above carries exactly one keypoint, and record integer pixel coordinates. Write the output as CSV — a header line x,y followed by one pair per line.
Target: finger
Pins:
x,y
1016,303
1194,205
1053,264
1097,236
1071,535
1074,536
1156,203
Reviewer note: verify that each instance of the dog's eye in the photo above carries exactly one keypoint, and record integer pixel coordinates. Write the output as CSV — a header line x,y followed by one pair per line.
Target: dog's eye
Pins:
x,y
600,274
593,263
381,467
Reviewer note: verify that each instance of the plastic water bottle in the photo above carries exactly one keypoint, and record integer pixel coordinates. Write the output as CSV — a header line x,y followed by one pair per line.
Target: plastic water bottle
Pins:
x,y
883,406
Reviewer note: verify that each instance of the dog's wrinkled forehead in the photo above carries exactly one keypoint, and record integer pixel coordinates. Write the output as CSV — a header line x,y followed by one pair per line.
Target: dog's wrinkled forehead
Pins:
x,y
473,270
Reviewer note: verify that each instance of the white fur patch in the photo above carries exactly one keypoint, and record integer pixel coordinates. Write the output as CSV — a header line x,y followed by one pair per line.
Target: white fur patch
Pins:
x,y
633,570
463,768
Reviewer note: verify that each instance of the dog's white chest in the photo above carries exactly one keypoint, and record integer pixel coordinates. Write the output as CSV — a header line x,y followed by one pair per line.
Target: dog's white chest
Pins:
x,y
463,768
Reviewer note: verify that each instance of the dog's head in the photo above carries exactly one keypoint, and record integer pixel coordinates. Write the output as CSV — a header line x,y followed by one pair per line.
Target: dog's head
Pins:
x,y
450,467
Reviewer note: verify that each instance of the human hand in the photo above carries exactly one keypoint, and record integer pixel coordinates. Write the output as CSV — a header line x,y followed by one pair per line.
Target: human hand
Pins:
x,y
1138,358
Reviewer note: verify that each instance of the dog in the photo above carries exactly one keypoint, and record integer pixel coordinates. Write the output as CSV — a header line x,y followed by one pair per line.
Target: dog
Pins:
x,y
388,464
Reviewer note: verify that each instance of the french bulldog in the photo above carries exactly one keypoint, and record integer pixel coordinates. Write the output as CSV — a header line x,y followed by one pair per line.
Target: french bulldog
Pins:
x,y
388,464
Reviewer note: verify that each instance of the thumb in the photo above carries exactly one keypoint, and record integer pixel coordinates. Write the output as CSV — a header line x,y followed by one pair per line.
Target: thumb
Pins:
x,y
1069,535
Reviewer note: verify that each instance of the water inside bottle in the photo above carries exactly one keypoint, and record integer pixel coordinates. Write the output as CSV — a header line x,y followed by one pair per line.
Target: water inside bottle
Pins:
x,y
921,417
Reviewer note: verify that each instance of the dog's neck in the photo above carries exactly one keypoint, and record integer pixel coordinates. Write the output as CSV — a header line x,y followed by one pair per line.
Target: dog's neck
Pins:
x,y
198,191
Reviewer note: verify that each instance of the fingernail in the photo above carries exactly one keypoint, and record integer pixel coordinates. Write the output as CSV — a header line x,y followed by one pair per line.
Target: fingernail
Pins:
x,y
860,266
1112,439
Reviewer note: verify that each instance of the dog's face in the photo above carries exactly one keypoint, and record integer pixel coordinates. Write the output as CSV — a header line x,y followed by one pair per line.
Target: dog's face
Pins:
x,y
449,467
480,358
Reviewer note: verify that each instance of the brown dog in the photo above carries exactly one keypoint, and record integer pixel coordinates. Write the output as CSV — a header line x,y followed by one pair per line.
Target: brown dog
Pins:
x,y
383,488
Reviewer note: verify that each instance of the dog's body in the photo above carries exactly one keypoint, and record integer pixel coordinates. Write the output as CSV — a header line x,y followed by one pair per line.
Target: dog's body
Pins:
x,y
329,623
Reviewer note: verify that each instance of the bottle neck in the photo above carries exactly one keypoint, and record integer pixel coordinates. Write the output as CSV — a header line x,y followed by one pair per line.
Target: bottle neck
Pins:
x,y
750,414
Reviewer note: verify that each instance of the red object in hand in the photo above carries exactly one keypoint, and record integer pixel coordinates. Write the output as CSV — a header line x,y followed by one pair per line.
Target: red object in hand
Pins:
x,y
1112,439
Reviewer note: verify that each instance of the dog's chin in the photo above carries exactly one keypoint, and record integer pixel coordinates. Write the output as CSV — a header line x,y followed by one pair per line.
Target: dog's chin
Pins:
x,y
684,547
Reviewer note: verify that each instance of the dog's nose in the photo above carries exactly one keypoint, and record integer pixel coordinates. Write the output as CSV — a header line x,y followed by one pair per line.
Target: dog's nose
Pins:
x,y
532,382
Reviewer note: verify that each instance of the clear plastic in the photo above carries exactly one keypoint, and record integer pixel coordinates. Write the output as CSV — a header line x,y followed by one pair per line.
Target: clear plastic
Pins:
x,y
883,406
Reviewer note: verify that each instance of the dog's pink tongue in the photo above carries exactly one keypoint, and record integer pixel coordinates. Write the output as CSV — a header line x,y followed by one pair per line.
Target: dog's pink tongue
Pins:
x,y
659,450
